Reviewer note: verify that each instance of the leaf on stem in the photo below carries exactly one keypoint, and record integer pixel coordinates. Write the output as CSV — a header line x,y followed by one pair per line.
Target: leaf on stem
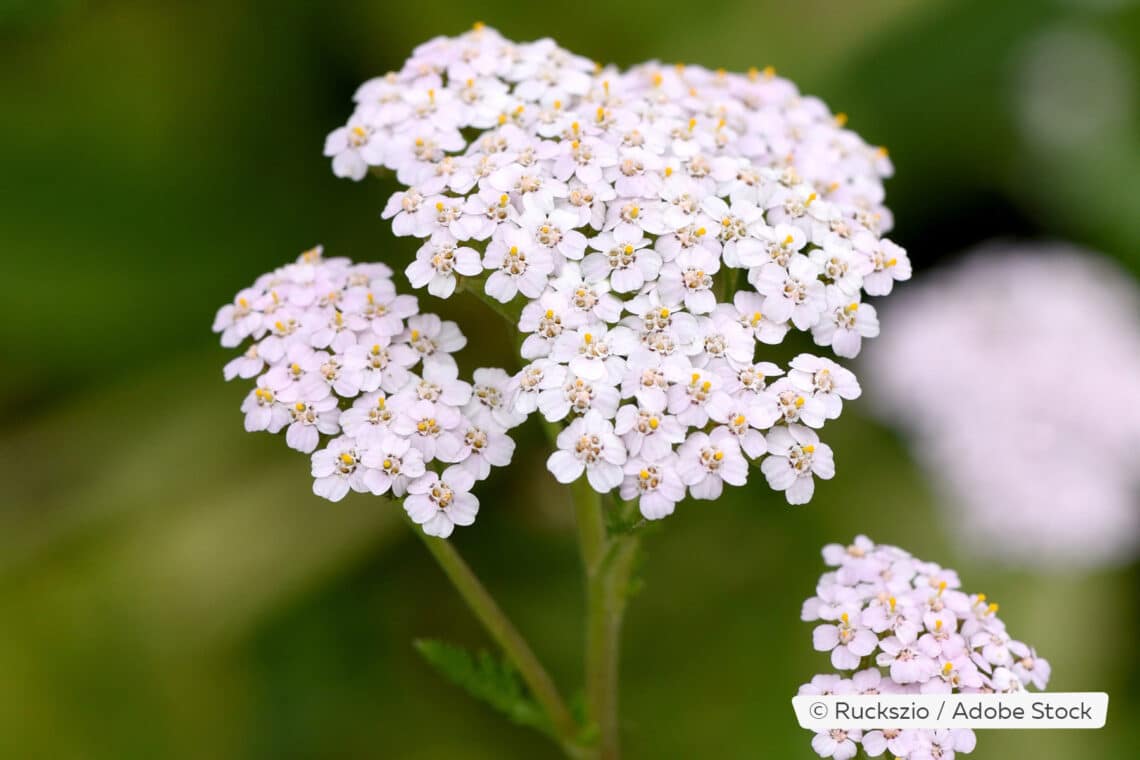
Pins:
x,y
487,678
588,737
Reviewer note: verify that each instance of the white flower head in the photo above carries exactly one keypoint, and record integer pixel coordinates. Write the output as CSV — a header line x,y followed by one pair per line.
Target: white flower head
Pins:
x,y
873,603
373,370
652,231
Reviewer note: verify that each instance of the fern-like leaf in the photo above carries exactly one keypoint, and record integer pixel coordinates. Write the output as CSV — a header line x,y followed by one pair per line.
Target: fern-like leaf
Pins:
x,y
487,678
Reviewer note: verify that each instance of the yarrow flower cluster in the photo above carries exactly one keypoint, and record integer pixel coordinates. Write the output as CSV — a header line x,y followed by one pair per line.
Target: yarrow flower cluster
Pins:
x,y
339,357
619,216
893,624
978,359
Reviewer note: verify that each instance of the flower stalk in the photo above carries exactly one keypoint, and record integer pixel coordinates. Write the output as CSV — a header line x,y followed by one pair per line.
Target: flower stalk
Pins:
x,y
607,562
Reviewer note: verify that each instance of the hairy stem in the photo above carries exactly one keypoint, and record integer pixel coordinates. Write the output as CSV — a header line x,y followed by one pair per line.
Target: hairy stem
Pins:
x,y
538,681
607,563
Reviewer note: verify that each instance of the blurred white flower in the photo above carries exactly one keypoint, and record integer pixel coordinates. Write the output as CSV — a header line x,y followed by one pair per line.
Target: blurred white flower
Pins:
x,y
1014,374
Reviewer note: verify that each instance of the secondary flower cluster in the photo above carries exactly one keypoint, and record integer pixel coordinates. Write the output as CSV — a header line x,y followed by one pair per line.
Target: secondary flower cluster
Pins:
x,y
339,356
966,370
897,625
628,210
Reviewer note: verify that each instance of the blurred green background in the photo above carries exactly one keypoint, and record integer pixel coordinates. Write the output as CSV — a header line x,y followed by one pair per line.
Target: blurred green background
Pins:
x,y
169,588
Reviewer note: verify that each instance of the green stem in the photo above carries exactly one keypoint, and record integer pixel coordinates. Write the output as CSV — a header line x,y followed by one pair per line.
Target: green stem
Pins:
x,y
608,564
509,311
504,633
728,283
591,524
